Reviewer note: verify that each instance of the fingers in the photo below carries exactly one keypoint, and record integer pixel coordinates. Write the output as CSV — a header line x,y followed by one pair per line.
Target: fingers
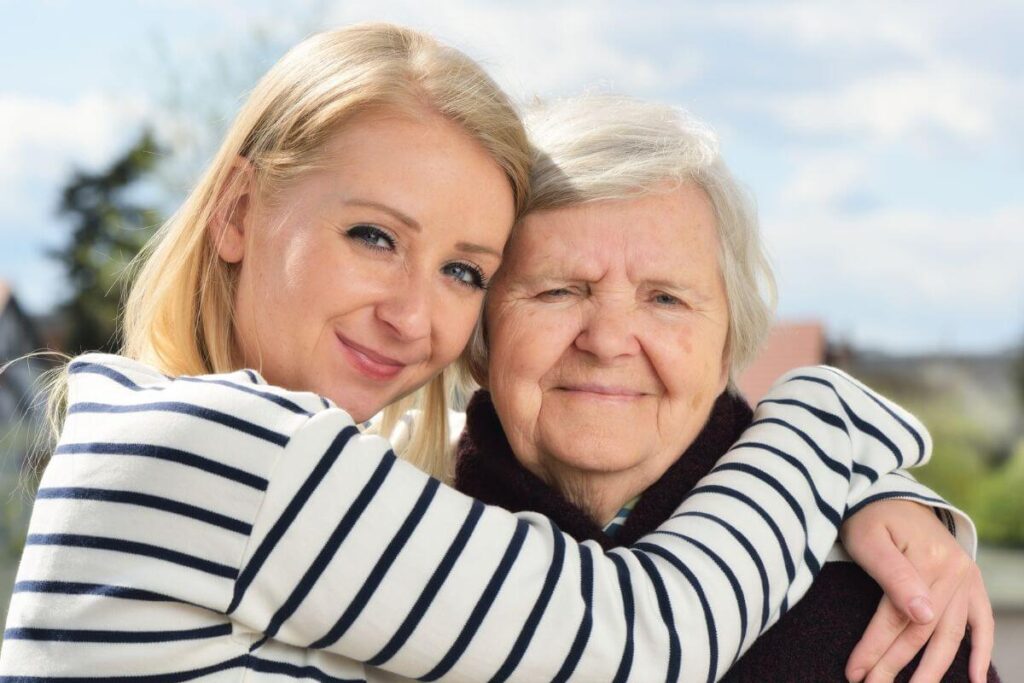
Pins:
x,y
951,591
895,573
933,592
960,592
886,625
982,623
904,649
945,641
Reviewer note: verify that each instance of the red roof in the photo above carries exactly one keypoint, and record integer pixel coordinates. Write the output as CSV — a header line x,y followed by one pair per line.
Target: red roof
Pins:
x,y
790,345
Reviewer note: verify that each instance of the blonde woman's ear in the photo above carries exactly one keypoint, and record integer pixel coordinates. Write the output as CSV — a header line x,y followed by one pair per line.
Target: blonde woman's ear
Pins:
x,y
231,217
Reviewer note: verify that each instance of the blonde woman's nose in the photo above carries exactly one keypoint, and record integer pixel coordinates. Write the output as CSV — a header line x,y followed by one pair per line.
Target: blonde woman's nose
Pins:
x,y
406,309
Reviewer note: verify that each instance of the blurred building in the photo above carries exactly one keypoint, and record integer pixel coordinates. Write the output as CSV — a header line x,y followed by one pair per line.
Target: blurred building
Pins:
x,y
18,336
790,345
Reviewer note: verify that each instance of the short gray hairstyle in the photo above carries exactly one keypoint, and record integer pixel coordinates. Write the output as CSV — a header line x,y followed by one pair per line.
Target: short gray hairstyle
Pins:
x,y
601,147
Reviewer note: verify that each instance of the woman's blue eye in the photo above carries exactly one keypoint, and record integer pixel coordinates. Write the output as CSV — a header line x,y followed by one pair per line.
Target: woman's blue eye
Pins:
x,y
666,299
466,273
372,236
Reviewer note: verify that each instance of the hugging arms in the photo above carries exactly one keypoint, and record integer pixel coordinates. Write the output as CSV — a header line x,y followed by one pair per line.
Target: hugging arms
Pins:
x,y
198,519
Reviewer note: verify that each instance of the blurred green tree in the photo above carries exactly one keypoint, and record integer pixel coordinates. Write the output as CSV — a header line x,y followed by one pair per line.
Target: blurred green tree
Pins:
x,y
110,224
1018,372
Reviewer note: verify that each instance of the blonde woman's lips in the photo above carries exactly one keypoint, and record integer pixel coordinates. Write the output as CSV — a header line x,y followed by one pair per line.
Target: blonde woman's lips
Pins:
x,y
368,362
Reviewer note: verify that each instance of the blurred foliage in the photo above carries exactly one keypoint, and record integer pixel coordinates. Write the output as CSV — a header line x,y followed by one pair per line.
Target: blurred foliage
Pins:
x,y
1018,373
17,440
110,226
992,493
998,505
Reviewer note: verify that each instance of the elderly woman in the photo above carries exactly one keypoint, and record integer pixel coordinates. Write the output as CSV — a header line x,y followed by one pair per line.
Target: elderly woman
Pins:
x,y
630,296
202,520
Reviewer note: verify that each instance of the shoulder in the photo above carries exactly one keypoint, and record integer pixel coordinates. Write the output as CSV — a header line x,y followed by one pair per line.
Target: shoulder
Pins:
x,y
401,434
118,387
814,638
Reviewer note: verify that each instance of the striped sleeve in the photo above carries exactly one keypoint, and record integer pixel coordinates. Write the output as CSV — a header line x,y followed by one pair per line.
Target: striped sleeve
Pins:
x,y
901,485
358,553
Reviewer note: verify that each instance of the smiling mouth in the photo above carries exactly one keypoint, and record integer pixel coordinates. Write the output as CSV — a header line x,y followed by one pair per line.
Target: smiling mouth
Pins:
x,y
602,392
368,362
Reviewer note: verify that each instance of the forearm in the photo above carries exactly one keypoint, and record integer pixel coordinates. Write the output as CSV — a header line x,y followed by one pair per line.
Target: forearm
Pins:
x,y
818,441
472,591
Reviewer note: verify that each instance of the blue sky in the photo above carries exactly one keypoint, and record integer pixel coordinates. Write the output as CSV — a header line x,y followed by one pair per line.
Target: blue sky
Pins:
x,y
884,141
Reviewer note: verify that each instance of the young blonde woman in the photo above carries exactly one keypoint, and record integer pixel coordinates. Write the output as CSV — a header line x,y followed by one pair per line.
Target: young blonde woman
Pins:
x,y
200,520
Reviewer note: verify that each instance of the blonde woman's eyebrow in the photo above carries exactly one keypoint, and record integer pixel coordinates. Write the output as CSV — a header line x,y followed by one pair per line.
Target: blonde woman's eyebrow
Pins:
x,y
472,248
468,247
404,218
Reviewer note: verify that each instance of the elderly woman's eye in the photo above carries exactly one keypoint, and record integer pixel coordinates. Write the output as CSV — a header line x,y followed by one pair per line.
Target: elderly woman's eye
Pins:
x,y
663,299
558,293
372,236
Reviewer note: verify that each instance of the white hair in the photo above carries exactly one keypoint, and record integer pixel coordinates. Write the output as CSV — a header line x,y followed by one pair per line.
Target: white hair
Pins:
x,y
601,147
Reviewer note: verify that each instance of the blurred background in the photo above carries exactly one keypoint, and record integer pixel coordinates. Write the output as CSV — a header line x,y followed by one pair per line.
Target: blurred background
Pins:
x,y
884,142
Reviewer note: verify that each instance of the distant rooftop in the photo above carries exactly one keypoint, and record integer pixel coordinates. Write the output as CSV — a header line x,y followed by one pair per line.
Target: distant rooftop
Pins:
x,y
5,295
790,345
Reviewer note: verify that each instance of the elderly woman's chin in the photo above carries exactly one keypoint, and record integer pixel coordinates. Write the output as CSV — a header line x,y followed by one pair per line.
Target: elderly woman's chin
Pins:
x,y
599,454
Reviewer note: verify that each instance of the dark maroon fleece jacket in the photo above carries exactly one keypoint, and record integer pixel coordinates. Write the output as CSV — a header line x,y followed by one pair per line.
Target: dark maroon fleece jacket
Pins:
x,y
811,642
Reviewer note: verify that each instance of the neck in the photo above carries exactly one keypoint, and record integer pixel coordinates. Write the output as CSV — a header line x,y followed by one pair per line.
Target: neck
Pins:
x,y
488,470
600,495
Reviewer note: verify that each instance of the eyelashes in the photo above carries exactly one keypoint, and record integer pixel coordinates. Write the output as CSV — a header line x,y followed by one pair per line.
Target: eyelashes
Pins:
x,y
372,236
378,239
467,274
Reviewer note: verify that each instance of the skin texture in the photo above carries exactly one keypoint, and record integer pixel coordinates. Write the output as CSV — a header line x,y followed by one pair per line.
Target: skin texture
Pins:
x,y
626,296
607,332
361,280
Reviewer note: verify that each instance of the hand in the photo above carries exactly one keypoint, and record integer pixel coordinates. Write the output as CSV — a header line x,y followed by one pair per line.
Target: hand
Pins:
x,y
933,591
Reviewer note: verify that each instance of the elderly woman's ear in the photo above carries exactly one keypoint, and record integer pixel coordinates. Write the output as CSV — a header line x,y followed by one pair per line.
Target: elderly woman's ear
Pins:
x,y
232,214
724,381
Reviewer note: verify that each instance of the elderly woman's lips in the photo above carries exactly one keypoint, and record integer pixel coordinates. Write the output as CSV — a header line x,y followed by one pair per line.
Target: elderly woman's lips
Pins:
x,y
602,391
368,362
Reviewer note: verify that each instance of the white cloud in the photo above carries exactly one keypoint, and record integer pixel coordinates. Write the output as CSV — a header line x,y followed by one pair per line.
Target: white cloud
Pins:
x,y
536,47
917,105
895,72
42,140
861,26
823,178
933,273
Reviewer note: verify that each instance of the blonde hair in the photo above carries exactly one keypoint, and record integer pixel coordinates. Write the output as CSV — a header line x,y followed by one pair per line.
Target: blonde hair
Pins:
x,y
601,147
178,316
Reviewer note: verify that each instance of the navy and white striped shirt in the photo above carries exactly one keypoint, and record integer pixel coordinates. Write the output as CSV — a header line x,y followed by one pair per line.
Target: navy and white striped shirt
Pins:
x,y
221,529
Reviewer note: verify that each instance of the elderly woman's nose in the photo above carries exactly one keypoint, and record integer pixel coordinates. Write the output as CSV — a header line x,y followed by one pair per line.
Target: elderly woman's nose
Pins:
x,y
406,308
608,332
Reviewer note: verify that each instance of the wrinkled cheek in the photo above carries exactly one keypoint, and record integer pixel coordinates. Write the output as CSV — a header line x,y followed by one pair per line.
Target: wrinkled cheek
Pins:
x,y
699,400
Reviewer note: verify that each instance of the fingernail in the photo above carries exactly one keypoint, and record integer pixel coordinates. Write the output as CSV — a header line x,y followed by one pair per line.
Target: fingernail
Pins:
x,y
921,610
857,675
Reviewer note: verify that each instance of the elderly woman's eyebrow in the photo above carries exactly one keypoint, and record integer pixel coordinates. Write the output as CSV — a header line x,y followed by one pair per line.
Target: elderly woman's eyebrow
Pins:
x,y
676,286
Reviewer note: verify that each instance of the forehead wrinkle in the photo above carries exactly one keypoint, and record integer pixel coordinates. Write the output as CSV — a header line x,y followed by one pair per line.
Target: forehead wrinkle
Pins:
x,y
589,242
